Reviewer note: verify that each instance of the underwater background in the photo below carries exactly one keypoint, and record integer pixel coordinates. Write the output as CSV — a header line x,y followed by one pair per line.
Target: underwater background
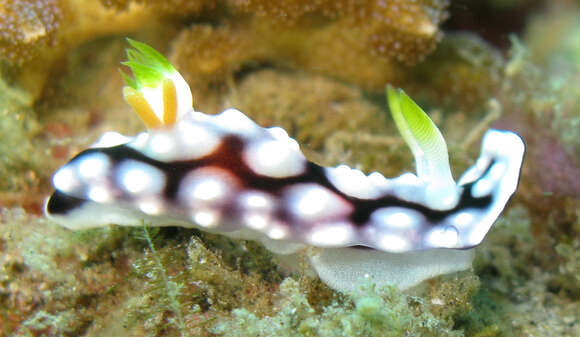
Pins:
x,y
317,68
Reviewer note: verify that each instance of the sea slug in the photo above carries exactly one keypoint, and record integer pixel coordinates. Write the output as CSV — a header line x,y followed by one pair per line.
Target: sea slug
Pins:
x,y
225,174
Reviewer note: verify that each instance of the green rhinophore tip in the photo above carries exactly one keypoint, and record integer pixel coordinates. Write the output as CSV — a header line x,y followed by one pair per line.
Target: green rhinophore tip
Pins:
x,y
422,136
149,67
157,92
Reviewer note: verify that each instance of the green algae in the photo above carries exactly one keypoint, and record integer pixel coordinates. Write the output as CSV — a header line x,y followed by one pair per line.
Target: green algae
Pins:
x,y
172,288
519,281
376,313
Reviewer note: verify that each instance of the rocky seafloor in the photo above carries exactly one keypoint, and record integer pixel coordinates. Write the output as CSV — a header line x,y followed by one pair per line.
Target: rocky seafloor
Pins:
x,y
317,68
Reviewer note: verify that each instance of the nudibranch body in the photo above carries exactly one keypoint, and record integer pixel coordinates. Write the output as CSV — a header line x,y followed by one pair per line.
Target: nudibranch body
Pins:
x,y
225,174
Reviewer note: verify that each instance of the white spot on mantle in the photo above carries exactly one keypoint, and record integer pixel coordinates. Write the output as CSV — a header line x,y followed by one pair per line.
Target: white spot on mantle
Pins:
x,y
353,182
140,178
274,158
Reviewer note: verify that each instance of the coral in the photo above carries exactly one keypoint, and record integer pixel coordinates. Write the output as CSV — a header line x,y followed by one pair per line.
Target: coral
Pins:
x,y
364,43
208,56
27,27
406,30
35,35
288,12
175,7
401,30
31,29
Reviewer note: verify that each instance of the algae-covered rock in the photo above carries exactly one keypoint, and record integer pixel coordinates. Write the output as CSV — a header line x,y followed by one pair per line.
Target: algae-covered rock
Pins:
x,y
19,155
528,285
47,273
383,312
